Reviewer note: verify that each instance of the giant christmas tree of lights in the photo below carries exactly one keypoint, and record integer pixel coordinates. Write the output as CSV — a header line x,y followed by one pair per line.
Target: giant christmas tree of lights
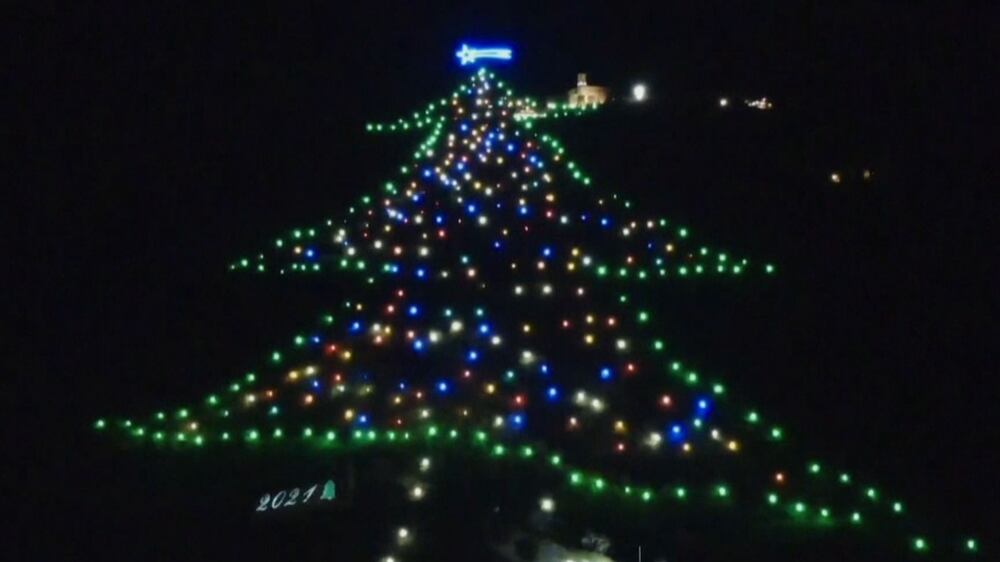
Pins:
x,y
505,305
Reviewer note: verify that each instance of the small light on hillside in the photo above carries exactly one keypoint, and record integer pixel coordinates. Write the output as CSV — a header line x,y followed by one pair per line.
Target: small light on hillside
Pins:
x,y
639,92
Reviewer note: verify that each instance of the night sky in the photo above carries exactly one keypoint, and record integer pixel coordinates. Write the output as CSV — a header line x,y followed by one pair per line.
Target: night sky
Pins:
x,y
151,146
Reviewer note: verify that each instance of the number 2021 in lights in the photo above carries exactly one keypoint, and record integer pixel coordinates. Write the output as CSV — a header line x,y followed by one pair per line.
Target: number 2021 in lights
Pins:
x,y
296,497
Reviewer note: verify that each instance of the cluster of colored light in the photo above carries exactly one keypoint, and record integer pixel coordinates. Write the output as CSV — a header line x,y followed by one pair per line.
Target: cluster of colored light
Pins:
x,y
489,212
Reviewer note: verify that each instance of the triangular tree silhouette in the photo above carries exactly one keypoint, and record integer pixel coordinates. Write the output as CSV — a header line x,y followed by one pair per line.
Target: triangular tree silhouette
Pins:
x,y
507,305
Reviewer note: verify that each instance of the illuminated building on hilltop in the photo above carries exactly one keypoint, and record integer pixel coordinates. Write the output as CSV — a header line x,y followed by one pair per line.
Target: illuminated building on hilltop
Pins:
x,y
585,94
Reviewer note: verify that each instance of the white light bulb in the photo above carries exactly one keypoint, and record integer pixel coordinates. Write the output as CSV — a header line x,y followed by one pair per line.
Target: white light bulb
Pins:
x,y
547,505
639,92
654,439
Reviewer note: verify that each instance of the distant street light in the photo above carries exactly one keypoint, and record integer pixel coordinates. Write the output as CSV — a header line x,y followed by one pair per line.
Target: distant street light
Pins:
x,y
639,92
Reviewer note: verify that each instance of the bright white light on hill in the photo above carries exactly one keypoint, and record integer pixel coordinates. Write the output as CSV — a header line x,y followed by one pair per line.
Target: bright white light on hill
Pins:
x,y
639,92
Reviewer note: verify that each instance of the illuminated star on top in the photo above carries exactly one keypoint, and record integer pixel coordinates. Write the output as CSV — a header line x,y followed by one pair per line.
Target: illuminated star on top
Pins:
x,y
468,55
